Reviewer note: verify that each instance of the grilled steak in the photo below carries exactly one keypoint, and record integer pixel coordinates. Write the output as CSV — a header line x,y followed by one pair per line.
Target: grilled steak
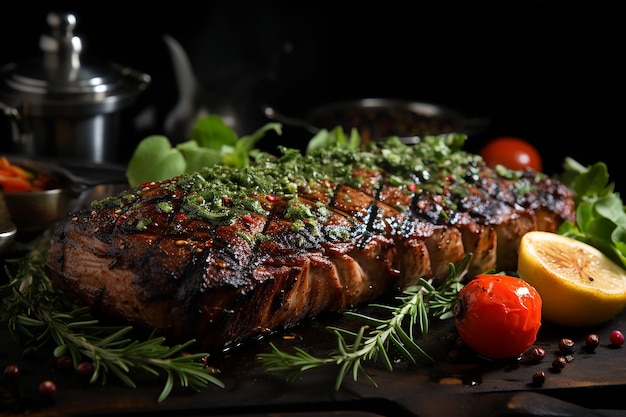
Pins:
x,y
224,254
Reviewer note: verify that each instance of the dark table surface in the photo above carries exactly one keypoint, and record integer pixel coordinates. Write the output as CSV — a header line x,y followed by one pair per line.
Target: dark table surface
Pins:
x,y
591,384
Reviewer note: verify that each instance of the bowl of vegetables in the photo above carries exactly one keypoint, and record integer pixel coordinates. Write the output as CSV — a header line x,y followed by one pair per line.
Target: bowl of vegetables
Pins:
x,y
35,195
40,191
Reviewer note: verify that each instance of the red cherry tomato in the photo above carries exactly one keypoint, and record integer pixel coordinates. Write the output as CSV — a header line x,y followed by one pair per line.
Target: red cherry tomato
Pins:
x,y
511,152
498,316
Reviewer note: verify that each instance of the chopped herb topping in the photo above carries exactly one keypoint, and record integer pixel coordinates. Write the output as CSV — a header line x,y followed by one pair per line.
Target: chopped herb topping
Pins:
x,y
219,193
142,224
165,206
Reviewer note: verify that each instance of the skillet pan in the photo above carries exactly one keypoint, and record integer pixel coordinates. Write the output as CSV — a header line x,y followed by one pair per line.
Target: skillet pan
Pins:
x,y
380,118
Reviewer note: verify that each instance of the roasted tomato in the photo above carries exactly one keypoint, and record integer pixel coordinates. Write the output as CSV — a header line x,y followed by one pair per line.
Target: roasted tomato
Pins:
x,y
498,316
511,152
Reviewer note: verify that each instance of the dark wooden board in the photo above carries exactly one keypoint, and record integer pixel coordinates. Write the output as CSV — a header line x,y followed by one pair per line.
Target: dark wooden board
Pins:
x,y
591,384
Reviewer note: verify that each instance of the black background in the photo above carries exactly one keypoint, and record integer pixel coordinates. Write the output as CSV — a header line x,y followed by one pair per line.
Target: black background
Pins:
x,y
549,72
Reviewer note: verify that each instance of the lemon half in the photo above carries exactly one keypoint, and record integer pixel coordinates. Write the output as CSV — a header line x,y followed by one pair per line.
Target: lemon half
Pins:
x,y
578,284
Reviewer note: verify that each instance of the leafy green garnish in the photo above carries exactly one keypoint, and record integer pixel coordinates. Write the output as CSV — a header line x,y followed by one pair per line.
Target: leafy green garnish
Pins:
x,y
212,142
600,212
325,139
154,159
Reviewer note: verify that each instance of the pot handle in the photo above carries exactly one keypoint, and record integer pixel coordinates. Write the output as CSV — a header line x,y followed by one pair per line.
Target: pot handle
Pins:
x,y
272,114
18,132
83,175
10,111
142,79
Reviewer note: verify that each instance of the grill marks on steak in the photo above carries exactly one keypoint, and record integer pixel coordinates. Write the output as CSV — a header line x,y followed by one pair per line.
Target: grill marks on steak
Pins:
x,y
276,282
221,283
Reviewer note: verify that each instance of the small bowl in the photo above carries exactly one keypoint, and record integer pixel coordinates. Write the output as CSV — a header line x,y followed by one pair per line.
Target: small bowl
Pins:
x,y
34,212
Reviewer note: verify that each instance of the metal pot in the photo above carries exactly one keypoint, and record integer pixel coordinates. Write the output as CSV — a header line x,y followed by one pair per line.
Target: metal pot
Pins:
x,y
380,118
62,104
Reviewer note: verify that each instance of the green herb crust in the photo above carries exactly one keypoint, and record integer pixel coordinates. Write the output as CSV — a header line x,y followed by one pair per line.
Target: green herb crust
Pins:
x,y
219,193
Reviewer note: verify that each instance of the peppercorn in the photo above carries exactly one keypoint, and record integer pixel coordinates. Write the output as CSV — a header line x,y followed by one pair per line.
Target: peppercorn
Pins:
x,y
85,369
559,363
566,345
29,351
459,344
539,378
537,355
592,341
12,371
65,362
451,338
48,389
533,356
617,338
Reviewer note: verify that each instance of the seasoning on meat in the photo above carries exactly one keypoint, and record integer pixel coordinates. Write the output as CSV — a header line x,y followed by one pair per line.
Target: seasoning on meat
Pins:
x,y
223,254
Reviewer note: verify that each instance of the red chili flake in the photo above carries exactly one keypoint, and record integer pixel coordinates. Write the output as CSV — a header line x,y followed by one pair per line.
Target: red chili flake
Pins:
x,y
449,178
272,198
180,217
247,218
147,184
120,220
412,187
228,201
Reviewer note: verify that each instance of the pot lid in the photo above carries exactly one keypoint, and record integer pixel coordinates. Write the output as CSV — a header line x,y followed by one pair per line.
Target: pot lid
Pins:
x,y
62,76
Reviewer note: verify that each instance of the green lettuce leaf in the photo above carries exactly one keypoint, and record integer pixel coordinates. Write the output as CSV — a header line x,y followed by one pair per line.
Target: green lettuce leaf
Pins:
x,y
600,211
212,143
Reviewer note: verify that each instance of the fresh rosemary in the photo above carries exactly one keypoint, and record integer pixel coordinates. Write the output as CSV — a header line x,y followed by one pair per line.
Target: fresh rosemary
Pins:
x,y
37,313
409,320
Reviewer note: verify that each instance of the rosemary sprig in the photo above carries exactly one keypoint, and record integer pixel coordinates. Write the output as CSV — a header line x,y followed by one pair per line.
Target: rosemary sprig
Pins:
x,y
38,313
409,320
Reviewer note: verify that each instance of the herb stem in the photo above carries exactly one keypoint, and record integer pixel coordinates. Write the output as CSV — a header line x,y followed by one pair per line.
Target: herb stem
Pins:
x,y
398,333
35,309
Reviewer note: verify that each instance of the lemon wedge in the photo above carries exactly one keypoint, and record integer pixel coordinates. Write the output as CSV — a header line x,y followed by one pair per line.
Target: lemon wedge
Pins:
x,y
578,284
